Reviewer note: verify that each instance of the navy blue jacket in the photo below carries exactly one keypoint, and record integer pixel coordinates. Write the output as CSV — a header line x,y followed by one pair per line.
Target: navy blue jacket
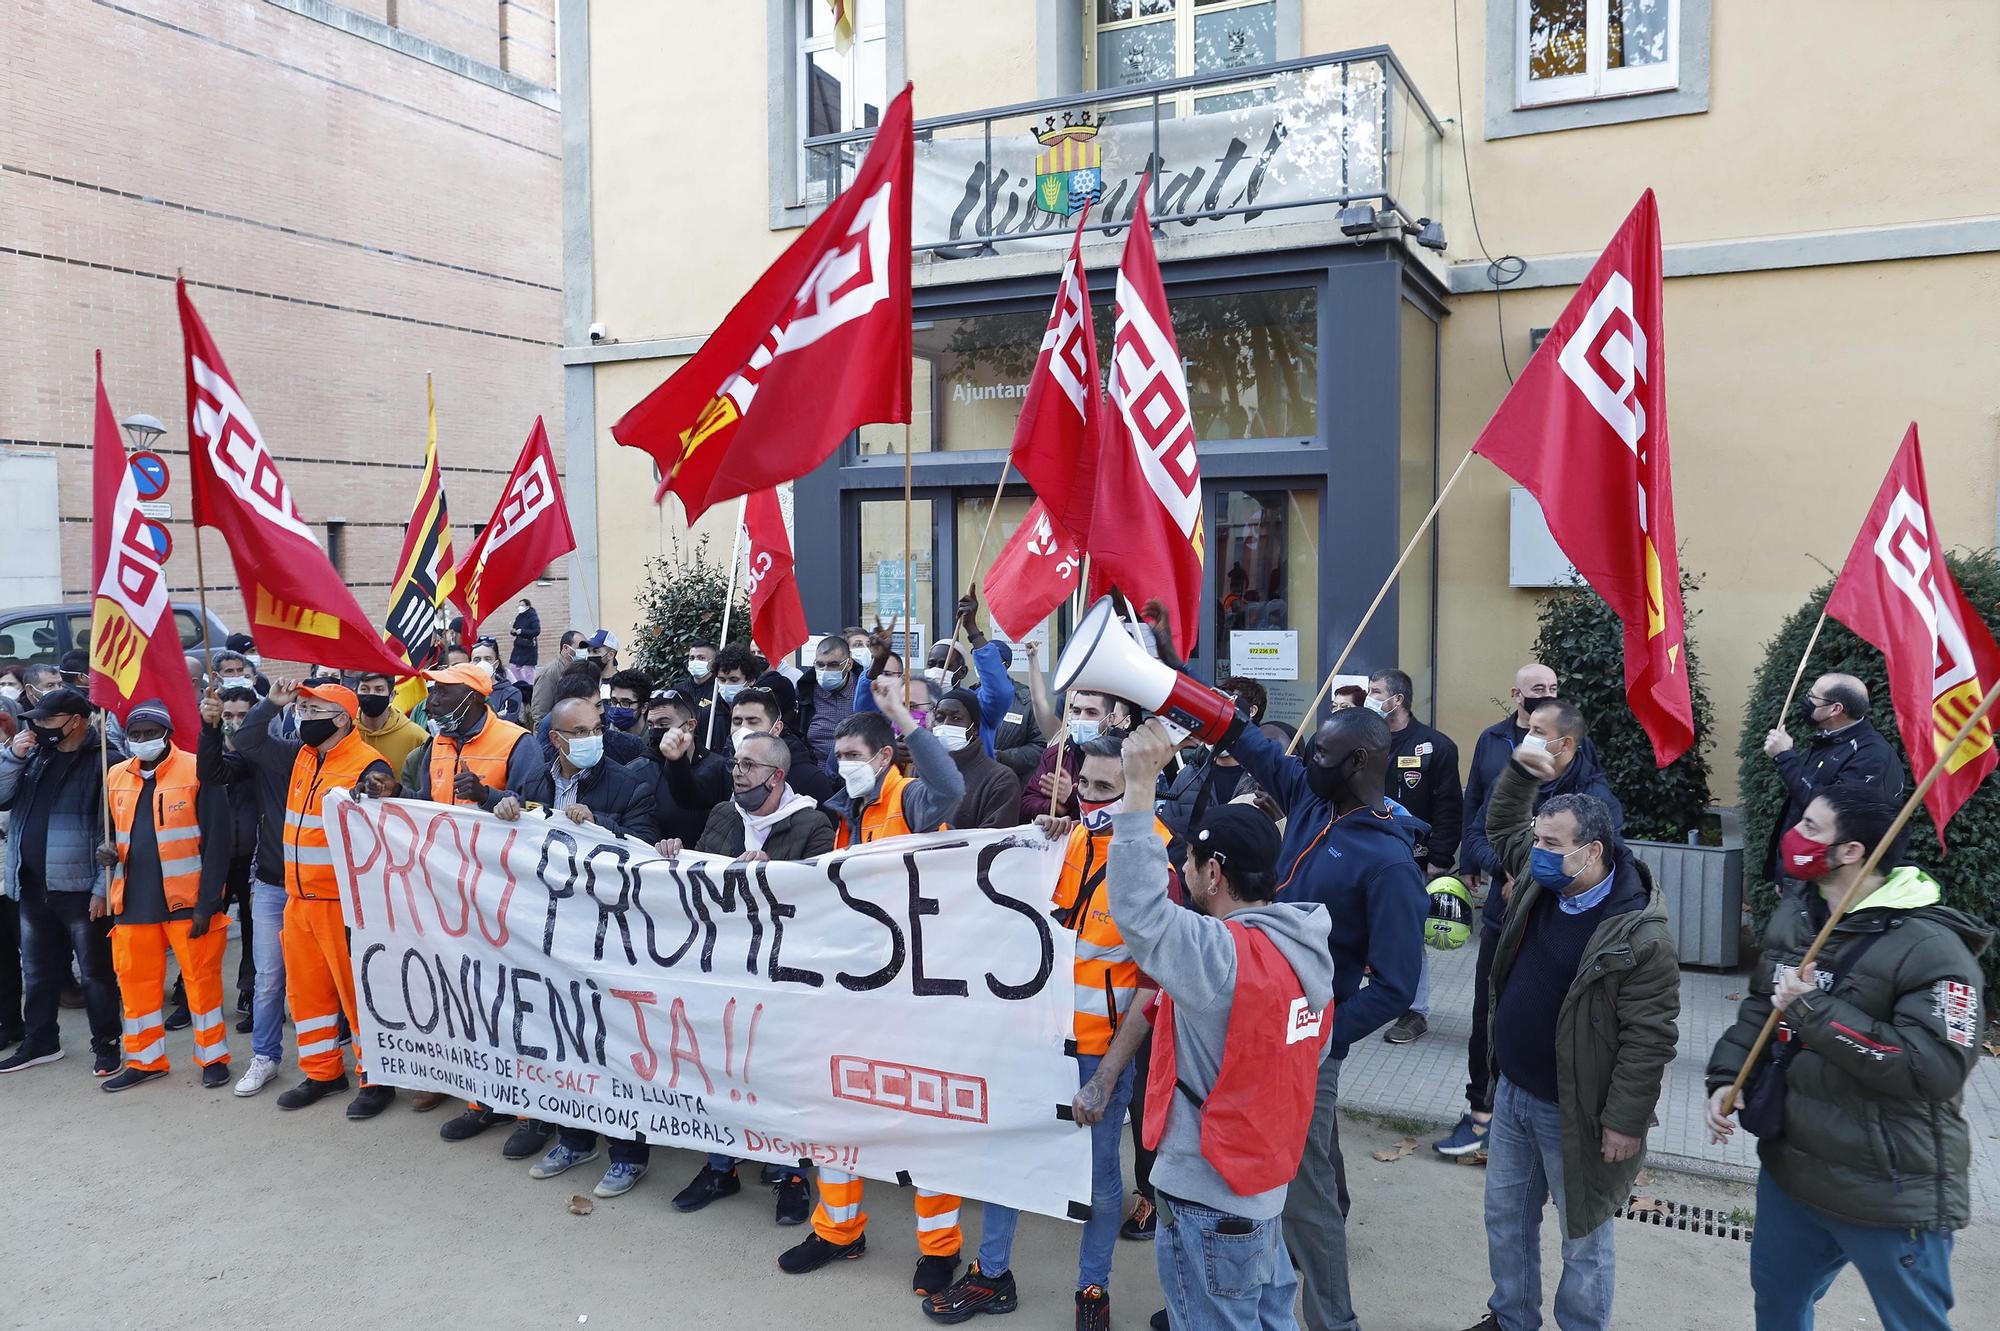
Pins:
x,y
1584,777
1362,868
1491,753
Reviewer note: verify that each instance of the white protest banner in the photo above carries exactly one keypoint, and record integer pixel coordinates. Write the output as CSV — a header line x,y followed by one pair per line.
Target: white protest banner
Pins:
x,y
898,1010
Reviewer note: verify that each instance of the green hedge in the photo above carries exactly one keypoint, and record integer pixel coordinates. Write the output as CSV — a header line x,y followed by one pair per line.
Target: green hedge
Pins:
x,y
1584,643
680,603
1971,872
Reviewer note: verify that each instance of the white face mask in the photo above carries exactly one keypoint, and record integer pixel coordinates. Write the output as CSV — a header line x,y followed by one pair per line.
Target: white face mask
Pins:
x,y
939,678
10,690
256,661
697,668
1082,732
1534,744
738,735
859,775
953,738
148,750
864,656
1376,705
586,750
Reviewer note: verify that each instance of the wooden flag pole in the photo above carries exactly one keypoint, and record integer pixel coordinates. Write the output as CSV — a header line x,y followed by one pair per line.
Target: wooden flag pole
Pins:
x,y
1800,673
1305,722
1852,897
909,566
728,604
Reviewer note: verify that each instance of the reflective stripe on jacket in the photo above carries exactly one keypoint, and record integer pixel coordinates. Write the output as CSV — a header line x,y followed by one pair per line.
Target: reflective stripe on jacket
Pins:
x,y
308,859
1106,978
175,825
485,755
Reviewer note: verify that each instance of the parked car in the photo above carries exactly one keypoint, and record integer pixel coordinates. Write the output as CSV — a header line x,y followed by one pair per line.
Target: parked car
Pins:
x,y
42,633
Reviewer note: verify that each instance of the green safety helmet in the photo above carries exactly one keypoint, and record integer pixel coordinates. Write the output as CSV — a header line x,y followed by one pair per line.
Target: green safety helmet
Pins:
x,y
1452,913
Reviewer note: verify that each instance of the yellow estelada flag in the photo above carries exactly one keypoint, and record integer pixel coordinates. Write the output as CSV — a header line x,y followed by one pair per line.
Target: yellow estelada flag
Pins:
x,y
426,574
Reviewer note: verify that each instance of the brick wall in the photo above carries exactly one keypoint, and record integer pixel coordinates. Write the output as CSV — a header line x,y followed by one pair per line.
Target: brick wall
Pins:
x,y
371,215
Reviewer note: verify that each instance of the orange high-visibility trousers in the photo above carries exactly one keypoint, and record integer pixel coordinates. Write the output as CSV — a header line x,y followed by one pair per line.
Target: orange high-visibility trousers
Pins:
x,y
139,955
319,986
838,1218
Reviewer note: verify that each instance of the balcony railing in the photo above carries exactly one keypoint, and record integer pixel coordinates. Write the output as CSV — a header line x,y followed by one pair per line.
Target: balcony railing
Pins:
x,y
1294,141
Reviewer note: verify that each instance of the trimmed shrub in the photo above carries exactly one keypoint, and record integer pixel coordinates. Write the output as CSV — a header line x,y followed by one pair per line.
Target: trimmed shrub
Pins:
x,y
1584,643
1971,871
681,603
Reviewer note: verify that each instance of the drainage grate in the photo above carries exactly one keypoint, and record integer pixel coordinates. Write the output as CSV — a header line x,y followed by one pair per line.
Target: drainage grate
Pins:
x,y
1679,1215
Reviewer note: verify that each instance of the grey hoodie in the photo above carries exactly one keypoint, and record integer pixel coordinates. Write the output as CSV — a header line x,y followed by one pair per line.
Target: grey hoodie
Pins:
x,y
1193,958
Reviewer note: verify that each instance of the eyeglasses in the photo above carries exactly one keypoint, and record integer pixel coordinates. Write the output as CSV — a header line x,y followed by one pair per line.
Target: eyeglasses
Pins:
x,y
319,713
747,766
1815,702
581,734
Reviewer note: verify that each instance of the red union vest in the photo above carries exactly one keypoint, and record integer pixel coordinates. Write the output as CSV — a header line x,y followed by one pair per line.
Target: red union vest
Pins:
x,y
1254,1119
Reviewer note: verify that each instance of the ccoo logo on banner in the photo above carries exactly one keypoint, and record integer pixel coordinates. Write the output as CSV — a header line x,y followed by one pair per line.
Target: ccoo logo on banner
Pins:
x,y
896,1011
1904,548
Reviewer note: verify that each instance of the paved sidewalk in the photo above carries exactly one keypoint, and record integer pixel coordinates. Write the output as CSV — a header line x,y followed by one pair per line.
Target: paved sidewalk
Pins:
x,y
1426,1080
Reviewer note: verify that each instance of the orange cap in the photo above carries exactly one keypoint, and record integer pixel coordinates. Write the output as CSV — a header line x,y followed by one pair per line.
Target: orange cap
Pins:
x,y
334,693
467,674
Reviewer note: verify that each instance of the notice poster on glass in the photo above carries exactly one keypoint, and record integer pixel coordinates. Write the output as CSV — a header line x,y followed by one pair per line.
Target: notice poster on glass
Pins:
x,y
1266,654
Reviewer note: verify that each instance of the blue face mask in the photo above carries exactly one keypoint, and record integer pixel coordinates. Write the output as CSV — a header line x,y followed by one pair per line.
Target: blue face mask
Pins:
x,y
620,718
586,751
832,680
1547,867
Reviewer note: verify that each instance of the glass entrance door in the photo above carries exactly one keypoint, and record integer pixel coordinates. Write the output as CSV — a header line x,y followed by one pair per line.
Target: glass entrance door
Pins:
x,y
1265,622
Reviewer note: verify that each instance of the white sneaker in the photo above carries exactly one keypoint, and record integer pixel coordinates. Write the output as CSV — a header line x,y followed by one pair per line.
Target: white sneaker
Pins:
x,y
258,1076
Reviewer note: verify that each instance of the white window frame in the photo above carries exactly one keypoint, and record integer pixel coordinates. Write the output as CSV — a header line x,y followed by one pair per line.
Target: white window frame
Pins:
x,y
1596,82
1183,21
876,33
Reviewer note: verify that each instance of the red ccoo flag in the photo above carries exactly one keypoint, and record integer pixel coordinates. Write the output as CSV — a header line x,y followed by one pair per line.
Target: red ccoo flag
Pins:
x,y
777,616
135,650
299,608
1035,573
1056,441
1149,474
1585,430
529,531
1895,591
819,347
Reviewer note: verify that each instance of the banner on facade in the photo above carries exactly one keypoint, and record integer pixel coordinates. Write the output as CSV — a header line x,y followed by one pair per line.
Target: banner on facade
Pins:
x,y
897,1011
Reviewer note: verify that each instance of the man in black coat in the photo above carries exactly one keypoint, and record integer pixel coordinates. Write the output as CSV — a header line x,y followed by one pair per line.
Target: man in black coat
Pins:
x,y
1845,750
761,710
1423,778
1495,746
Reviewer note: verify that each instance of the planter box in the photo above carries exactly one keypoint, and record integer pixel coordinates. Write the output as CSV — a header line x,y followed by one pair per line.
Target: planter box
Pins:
x,y
1703,886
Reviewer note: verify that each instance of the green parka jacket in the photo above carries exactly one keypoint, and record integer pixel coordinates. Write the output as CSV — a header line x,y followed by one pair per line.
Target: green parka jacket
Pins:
x,y
1616,1032
1873,1130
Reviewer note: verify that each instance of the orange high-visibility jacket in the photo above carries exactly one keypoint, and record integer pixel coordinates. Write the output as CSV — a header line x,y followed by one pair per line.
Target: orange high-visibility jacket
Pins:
x,y
883,818
176,825
308,860
1106,977
484,755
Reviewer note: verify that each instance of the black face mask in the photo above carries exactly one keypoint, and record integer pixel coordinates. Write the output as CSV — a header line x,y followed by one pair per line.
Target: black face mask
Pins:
x,y
1533,705
1326,782
318,730
48,736
1806,710
374,704
752,800
654,734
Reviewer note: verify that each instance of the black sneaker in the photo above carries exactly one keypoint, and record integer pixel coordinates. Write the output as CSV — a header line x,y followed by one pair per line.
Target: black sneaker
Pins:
x,y
469,1124
816,1252
1486,1323
794,1200
529,1137
245,1025
973,1293
1141,1224
106,1061
130,1077
1093,1309
243,1002
1160,1321
1408,1029
370,1101
179,1019
11,1035
214,1075
309,1092
933,1275
771,1175
28,1057
708,1186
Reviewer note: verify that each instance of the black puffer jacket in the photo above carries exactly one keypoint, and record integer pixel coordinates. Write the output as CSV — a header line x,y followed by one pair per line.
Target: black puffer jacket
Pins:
x,y
1874,1133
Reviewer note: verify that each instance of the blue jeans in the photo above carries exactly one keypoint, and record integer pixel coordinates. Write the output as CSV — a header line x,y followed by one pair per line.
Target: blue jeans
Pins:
x,y
1524,1168
1421,1004
1221,1281
267,1005
1796,1253
55,925
1107,1192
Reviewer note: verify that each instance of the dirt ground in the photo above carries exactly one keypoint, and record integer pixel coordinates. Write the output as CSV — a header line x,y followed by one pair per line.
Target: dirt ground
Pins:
x,y
173,1206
